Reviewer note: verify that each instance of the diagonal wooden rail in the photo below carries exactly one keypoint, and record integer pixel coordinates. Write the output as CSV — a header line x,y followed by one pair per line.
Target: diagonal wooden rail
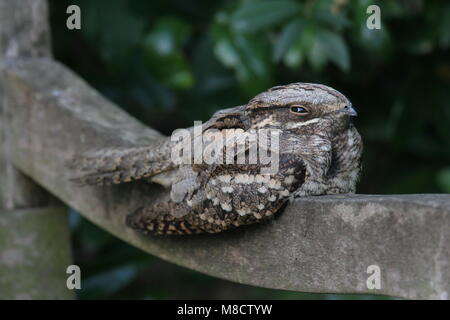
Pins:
x,y
318,244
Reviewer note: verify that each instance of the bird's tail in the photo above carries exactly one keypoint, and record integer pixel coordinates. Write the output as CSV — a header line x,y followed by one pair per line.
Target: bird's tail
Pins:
x,y
114,166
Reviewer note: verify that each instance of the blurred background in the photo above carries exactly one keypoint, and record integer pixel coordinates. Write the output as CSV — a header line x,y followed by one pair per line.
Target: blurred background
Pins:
x,y
170,62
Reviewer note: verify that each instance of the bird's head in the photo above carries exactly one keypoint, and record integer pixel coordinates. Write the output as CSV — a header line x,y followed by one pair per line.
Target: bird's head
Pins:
x,y
300,107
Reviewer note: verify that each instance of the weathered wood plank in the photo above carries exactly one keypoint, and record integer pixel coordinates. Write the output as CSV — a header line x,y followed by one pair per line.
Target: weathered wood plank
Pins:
x,y
34,234
319,244
24,31
34,254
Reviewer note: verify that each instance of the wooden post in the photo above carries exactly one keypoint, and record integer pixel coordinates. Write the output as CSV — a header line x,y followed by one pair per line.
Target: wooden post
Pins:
x,y
34,236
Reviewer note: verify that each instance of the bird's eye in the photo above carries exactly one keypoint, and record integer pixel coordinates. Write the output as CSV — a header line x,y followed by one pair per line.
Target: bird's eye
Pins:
x,y
299,109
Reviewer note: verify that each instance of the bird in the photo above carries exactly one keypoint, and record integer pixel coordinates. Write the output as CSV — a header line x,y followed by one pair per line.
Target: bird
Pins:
x,y
316,147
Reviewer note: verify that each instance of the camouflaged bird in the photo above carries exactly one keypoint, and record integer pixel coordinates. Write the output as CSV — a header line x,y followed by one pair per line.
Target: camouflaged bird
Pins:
x,y
319,152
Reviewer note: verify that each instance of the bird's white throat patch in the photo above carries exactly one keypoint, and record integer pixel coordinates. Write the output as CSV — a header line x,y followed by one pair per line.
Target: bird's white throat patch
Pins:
x,y
295,125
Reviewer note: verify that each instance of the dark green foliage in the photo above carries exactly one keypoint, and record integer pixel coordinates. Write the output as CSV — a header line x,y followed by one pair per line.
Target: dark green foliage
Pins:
x,y
172,62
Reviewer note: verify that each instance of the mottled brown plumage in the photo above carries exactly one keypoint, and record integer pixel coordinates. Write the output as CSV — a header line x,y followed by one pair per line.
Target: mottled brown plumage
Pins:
x,y
319,153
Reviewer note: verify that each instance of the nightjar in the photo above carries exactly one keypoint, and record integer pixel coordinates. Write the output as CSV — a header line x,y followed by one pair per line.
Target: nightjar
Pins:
x,y
318,151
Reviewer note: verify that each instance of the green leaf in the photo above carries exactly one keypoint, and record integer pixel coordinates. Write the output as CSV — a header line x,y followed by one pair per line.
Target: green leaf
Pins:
x,y
167,36
226,53
336,21
163,53
294,57
444,29
178,73
247,54
318,54
288,36
115,41
444,179
327,45
303,44
256,15
336,49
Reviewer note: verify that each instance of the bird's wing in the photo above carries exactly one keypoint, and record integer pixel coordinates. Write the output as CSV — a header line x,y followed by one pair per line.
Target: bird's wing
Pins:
x,y
114,166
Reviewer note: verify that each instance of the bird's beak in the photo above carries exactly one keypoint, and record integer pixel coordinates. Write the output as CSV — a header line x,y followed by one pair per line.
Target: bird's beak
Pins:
x,y
349,110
